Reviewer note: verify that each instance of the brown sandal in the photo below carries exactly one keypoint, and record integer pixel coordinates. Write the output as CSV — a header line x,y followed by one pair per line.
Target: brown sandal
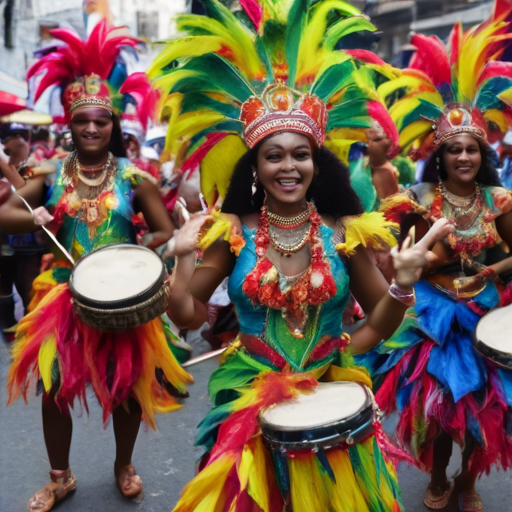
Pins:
x,y
62,483
438,502
131,487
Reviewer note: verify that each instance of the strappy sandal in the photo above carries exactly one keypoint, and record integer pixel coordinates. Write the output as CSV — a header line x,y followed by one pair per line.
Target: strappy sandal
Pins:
x,y
470,503
62,483
437,502
131,487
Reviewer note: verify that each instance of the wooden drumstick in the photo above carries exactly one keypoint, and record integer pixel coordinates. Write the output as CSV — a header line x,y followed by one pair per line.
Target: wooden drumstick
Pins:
x,y
204,357
47,231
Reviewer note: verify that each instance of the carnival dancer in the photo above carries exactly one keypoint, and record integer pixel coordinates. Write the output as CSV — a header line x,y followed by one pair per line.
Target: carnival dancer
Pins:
x,y
133,373
289,280
451,106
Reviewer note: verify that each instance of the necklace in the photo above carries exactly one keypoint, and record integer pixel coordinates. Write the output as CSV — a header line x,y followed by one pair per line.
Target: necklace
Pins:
x,y
288,235
85,186
288,222
293,296
465,209
288,241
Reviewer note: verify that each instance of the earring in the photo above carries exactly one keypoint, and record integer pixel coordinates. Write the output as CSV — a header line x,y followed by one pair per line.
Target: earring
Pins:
x,y
254,181
438,162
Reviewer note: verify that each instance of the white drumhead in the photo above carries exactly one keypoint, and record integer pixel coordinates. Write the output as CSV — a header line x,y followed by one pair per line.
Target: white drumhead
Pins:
x,y
495,329
116,273
330,402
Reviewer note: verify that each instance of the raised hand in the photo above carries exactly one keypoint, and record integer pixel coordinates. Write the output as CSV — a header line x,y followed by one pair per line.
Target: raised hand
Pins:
x,y
409,262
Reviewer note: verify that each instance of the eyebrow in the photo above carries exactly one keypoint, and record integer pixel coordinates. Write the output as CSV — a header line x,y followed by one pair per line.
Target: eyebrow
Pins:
x,y
278,146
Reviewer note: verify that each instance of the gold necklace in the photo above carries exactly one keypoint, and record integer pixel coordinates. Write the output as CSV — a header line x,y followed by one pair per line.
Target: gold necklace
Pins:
x,y
86,187
288,241
465,209
288,222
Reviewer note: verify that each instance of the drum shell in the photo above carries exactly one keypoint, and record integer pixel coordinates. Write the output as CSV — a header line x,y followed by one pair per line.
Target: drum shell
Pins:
x,y
499,358
344,432
121,315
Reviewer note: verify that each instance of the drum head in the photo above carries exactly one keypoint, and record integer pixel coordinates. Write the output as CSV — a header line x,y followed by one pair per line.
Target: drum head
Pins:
x,y
118,274
328,404
494,336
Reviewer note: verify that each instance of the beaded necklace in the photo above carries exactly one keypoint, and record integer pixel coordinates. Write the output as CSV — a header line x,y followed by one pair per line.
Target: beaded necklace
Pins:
x,y
312,288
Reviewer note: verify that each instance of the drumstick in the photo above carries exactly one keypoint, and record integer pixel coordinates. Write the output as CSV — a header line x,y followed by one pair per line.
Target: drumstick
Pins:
x,y
48,232
204,357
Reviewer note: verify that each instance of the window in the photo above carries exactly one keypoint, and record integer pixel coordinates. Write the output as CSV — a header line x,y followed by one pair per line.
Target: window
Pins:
x,y
147,24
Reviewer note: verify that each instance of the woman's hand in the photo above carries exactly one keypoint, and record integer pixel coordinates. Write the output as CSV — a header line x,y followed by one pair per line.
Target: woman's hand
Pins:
x,y
42,216
409,262
186,239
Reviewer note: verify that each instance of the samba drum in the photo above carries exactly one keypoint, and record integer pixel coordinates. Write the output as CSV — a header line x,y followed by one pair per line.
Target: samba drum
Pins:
x,y
493,336
335,414
119,287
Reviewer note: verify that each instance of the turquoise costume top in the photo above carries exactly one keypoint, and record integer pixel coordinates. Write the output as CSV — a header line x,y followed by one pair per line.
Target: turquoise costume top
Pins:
x,y
87,224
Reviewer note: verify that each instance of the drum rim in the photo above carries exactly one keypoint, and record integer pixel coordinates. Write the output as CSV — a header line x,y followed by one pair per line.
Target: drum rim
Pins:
x,y
368,404
498,357
121,303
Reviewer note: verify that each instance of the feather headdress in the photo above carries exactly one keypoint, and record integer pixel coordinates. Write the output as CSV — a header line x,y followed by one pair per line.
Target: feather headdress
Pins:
x,y
457,88
229,81
90,72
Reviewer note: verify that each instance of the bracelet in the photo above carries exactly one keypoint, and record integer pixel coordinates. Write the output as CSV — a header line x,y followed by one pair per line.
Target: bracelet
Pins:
x,y
488,274
407,298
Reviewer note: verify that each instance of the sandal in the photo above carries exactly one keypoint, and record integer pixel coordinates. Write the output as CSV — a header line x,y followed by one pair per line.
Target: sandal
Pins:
x,y
437,502
131,487
62,483
470,503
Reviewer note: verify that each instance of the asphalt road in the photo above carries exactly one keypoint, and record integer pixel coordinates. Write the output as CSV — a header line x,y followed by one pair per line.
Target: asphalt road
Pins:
x,y
165,459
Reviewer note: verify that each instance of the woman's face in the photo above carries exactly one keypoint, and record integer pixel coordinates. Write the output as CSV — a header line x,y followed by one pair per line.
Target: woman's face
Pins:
x,y
286,167
462,159
91,129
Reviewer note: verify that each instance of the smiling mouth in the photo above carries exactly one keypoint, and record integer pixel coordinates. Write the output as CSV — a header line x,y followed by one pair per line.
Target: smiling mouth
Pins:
x,y
288,182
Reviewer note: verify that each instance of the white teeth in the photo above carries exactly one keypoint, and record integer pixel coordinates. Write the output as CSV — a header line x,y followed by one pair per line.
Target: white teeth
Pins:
x,y
287,183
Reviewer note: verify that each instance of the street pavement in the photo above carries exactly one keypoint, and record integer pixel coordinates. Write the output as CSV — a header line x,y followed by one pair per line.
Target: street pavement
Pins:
x,y
164,459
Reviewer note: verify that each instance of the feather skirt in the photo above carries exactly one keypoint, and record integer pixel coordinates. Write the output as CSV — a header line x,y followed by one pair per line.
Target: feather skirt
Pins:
x,y
56,349
240,473
430,373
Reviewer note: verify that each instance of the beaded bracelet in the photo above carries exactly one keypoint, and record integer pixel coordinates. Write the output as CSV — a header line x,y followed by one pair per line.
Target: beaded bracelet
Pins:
x,y
407,298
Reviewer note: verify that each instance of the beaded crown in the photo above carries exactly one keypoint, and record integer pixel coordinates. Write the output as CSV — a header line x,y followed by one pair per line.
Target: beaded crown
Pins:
x,y
235,79
461,87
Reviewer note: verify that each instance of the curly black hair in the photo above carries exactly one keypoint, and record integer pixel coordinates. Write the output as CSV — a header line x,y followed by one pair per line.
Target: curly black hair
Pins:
x,y
487,174
330,189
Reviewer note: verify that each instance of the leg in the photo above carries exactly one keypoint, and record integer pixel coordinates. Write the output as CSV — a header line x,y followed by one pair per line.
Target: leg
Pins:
x,y
7,318
439,489
126,429
469,499
443,447
58,428
27,269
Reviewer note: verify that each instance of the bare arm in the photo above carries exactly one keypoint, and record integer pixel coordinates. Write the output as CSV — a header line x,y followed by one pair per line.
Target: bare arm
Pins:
x,y
147,200
14,216
371,291
12,175
192,287
369,287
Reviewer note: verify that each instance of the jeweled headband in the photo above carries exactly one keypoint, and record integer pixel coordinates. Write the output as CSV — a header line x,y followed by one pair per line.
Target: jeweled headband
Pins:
x,y
92,101
282,109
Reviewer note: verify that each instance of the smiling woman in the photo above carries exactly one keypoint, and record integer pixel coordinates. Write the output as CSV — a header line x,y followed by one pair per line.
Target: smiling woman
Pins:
x,y
133,372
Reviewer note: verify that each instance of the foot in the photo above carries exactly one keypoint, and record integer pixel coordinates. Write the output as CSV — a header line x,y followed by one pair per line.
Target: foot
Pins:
x,y
470,503
62,483
437,496
129,483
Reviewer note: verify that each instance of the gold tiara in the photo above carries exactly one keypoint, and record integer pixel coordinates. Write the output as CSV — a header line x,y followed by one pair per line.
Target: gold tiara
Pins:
x,y
92,101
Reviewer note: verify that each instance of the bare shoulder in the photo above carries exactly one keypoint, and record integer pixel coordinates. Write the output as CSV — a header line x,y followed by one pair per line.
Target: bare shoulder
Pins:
x,y
251,221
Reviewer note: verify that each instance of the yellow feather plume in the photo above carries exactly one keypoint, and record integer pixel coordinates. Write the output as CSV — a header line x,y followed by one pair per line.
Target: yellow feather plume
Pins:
x,y
46,357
